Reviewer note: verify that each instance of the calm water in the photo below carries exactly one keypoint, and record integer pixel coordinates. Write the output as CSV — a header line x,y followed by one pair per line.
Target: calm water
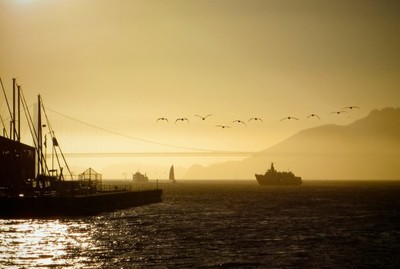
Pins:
x,y
223,224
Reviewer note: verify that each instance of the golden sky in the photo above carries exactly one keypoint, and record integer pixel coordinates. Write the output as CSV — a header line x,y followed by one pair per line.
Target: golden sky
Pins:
x,y
120,65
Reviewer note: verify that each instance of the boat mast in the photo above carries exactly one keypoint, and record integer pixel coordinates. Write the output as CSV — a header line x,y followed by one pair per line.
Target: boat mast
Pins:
x,y
12,131
39,138
19,114
16,112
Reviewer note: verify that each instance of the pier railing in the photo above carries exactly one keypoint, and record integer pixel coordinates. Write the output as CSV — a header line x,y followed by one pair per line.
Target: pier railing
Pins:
x,y
110,186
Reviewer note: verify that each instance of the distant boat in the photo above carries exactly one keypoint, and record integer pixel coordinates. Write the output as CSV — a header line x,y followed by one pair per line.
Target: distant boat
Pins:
x,y
172,174
273,177
139,177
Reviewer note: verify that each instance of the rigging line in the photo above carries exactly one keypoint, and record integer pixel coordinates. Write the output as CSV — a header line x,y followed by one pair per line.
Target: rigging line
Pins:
x,y
5,96
32,128
8,104
128,136
53,138
29,119
4,127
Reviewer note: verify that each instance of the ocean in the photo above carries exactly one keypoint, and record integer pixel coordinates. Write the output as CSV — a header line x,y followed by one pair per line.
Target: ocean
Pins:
x,y
223,224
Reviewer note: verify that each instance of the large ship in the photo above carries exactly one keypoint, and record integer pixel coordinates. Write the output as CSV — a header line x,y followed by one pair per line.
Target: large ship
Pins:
x,y
139,177
30,187
274,177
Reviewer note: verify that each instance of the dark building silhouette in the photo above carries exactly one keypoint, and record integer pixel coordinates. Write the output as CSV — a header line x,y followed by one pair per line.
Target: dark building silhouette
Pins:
x,y
17,164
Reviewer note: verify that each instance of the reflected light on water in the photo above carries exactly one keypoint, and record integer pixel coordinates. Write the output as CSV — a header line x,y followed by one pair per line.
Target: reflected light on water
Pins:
x,y
43,243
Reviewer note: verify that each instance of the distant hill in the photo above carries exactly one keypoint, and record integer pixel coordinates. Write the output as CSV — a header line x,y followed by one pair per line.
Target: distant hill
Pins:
x,y
369,148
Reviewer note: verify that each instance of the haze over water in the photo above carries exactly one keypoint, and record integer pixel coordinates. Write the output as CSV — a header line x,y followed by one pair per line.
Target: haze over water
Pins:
x,y
121,65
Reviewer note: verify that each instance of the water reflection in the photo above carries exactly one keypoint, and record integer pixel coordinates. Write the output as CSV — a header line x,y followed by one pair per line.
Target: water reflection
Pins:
x,y
229,225
44,243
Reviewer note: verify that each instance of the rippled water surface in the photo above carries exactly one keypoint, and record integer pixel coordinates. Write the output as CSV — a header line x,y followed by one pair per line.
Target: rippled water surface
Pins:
x,y
227,224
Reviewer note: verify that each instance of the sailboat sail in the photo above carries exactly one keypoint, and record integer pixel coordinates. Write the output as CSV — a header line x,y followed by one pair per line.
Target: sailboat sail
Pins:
x,y
172,174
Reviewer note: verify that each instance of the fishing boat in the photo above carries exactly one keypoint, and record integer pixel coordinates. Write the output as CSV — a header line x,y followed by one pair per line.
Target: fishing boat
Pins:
x,y
172,174
29,188
274,177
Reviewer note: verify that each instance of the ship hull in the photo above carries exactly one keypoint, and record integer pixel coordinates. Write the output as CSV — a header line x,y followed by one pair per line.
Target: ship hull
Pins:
x,y
78,205
278,181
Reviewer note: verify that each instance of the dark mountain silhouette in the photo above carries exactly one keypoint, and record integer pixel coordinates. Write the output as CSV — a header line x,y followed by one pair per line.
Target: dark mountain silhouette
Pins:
x,y
369,148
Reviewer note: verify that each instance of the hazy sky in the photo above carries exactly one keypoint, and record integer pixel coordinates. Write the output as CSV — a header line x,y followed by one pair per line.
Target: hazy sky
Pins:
x,y
120,65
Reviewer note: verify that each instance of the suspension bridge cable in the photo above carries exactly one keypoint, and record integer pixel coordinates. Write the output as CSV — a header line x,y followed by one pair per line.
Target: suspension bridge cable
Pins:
x,y
129,136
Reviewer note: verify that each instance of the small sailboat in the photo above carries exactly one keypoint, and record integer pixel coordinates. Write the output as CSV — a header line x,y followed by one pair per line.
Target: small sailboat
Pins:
x,y
172,174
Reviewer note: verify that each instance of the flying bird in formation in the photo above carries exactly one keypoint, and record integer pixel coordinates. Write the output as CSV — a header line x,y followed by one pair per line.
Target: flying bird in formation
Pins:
x,y
162,119
338,112
239,121
204,118
182,119
313,115
223,126
350,107
255,119
289,118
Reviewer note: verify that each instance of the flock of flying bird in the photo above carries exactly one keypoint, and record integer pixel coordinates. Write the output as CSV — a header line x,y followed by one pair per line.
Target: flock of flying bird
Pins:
x,y
344,110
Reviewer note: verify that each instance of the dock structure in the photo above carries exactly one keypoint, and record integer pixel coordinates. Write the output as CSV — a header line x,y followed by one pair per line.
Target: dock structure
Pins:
x,y
29,188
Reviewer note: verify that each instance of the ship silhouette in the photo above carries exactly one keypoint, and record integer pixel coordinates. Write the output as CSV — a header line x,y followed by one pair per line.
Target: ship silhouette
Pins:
x,y
274,177
139,177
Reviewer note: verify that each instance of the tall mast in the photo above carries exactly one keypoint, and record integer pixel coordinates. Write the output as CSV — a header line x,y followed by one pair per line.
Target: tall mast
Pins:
x,y
19,114
39,137
12,131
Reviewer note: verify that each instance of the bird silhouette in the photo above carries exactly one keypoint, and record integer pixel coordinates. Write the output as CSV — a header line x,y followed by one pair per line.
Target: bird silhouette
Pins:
x,y
239,121
162,119
255,119
182,119
313,115
289,118
338,112
203,118
350,107
223,126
